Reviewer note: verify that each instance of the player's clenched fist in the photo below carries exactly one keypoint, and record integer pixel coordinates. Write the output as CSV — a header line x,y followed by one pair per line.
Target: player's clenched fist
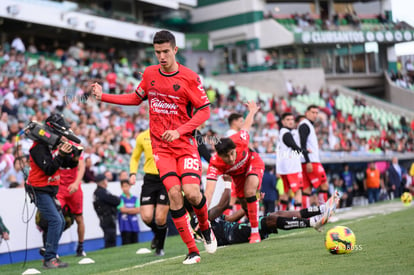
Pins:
x,y
97,91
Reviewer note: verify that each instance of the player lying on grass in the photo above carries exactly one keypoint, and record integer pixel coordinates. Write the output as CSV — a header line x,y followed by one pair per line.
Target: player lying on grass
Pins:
x,y
228,231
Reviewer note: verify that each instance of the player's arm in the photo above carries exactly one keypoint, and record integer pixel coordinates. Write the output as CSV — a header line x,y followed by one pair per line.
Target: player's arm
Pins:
x,y
290,142
253,109
81,172
236,216
109,199
224,202
122,99
134,161
129,211
304,132
199,100
210,187
199,117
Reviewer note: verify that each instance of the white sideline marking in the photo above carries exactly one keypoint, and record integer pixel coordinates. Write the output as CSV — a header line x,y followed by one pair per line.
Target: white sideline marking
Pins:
x,y
150,263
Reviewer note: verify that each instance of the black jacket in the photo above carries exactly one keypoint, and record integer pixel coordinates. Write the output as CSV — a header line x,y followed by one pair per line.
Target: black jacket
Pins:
x,y
105,205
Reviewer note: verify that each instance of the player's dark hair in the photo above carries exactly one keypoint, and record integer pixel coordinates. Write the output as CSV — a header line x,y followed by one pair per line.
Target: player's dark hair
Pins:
x,y
285,115
233,116
299,118
224,146
164,36
313,106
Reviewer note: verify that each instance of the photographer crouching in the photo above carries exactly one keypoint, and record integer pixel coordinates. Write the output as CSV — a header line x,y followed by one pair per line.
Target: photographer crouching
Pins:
x,y
49,152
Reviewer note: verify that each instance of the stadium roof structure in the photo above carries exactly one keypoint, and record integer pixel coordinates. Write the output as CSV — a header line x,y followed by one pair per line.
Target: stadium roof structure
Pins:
x,y
71,16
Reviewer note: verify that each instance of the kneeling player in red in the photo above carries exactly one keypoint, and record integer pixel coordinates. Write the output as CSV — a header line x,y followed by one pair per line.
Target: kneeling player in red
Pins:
x,y
234,158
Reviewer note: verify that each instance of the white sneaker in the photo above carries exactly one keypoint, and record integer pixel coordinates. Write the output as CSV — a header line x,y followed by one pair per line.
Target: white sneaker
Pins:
x,y
210,241
330,207
192,258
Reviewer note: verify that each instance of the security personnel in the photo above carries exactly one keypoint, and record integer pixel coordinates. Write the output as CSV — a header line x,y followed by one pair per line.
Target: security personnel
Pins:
x,y
105,205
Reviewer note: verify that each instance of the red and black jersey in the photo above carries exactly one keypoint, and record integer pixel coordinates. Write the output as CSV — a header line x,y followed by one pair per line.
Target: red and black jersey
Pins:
x,y
243,154
173,99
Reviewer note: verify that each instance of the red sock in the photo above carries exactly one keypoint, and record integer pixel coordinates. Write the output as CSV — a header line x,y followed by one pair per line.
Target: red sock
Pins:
x,y
183,227
202,214
283,205
252,211
305,201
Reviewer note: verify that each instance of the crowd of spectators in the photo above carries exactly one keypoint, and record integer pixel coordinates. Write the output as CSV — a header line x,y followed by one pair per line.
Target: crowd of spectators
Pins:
x,y
348,20
33,90
404,75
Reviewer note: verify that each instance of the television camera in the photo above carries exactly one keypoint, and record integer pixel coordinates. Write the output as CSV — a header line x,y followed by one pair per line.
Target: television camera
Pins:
x,y
51,134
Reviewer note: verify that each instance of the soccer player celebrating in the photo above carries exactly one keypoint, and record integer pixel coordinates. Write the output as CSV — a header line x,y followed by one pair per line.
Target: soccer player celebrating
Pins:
x,y
288,163
178,105
153,194
313,172
235,159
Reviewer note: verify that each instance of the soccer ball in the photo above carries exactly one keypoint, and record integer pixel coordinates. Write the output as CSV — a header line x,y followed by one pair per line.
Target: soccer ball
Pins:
x,y
340,240
406,198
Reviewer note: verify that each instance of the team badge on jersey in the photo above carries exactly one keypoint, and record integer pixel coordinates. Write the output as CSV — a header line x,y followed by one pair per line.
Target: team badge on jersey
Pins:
x,y
176,87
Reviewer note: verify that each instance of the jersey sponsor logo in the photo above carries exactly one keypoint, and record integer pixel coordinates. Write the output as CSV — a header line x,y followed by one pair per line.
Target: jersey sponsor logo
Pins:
x,y
162,107
153,83
176,87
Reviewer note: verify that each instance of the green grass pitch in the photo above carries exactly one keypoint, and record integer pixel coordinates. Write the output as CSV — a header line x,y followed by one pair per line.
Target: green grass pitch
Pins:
x,y
385,246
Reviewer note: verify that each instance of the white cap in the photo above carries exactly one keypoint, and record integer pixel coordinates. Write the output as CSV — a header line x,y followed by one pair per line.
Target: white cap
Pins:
x,y
232,83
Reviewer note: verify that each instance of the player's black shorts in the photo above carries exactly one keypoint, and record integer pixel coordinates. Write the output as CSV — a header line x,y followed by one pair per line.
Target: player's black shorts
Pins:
x,y
153,191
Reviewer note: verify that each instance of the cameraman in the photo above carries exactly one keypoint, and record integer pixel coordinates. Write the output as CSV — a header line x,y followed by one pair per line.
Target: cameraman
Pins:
x,y
43,184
